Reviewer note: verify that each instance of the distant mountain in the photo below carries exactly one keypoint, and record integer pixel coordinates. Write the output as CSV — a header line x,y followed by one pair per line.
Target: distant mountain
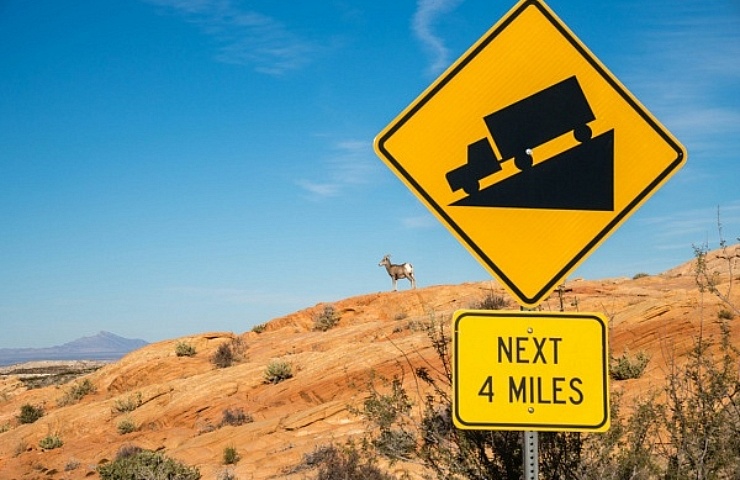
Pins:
x,y
103,346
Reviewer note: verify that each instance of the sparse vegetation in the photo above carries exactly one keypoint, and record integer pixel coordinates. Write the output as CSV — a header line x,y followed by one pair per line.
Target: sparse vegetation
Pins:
x,y
333,463
640,275
128,404
230,456
627,366
50,442
183,349
277,371
72,464
491,302
20,447
235,417
326,320
227,354
725,314
30,413
133,463
226,474
259,328
76,393
127,425
224,356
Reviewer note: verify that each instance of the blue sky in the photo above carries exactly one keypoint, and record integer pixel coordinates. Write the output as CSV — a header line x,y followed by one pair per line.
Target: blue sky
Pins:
x,y
169,167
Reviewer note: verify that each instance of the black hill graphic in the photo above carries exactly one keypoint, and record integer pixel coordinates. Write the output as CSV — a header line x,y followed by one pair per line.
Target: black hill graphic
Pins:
x,y
581,178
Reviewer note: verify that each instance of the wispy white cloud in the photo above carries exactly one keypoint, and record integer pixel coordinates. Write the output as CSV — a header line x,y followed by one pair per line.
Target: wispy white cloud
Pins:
x,y
692,54
351,164
694,226
426,14
245,37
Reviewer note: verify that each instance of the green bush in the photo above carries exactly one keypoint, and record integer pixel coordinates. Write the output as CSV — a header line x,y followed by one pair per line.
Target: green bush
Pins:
x,y
30,413
50,442
277,371
126,425
627,367
725,314
128,404
640,275
183,349
133,463
326,320
231,456
259,328
76,392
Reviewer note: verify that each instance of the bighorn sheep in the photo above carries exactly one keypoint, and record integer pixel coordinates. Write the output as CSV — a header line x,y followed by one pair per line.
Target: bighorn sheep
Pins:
x,y
405,270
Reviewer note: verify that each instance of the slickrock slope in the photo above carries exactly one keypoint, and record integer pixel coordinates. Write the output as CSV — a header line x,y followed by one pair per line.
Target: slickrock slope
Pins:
x,y
183,399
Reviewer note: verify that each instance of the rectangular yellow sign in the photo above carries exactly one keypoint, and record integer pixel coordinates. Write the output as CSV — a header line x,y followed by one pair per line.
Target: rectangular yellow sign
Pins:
x,y
528,370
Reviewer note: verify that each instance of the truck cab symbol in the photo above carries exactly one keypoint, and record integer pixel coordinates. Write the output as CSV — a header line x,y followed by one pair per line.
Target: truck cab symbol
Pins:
x,y
520,127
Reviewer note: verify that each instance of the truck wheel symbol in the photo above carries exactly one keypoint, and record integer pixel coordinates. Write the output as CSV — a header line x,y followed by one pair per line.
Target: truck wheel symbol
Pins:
x,y
582,133
521,127
524,161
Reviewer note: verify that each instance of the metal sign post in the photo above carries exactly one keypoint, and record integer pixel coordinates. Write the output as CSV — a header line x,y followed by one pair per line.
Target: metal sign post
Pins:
x,y
530,456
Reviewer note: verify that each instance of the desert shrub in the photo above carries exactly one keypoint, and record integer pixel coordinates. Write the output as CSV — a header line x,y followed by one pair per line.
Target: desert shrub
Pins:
x,y
72,464
387,411
224,356
326,320
128,404
133,463
126,425
235,417
725,314
76,392
627,366
226,474
30,413
702,412
50,442
230,456
20,448
4,427
259,328
640,275
335,464
491,302
183,349
277,371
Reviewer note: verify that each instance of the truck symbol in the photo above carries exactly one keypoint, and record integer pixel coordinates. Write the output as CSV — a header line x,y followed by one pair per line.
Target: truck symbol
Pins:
x,y
522,126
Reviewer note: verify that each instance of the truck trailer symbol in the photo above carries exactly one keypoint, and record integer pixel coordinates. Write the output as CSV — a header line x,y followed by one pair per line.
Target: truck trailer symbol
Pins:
x,y
520,127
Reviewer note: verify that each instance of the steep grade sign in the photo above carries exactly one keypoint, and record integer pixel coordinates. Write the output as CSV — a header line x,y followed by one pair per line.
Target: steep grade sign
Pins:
x,y
530,371
529,151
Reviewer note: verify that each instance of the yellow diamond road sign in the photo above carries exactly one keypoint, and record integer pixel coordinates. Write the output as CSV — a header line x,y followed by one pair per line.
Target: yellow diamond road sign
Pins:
x,y
530,371
529,151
